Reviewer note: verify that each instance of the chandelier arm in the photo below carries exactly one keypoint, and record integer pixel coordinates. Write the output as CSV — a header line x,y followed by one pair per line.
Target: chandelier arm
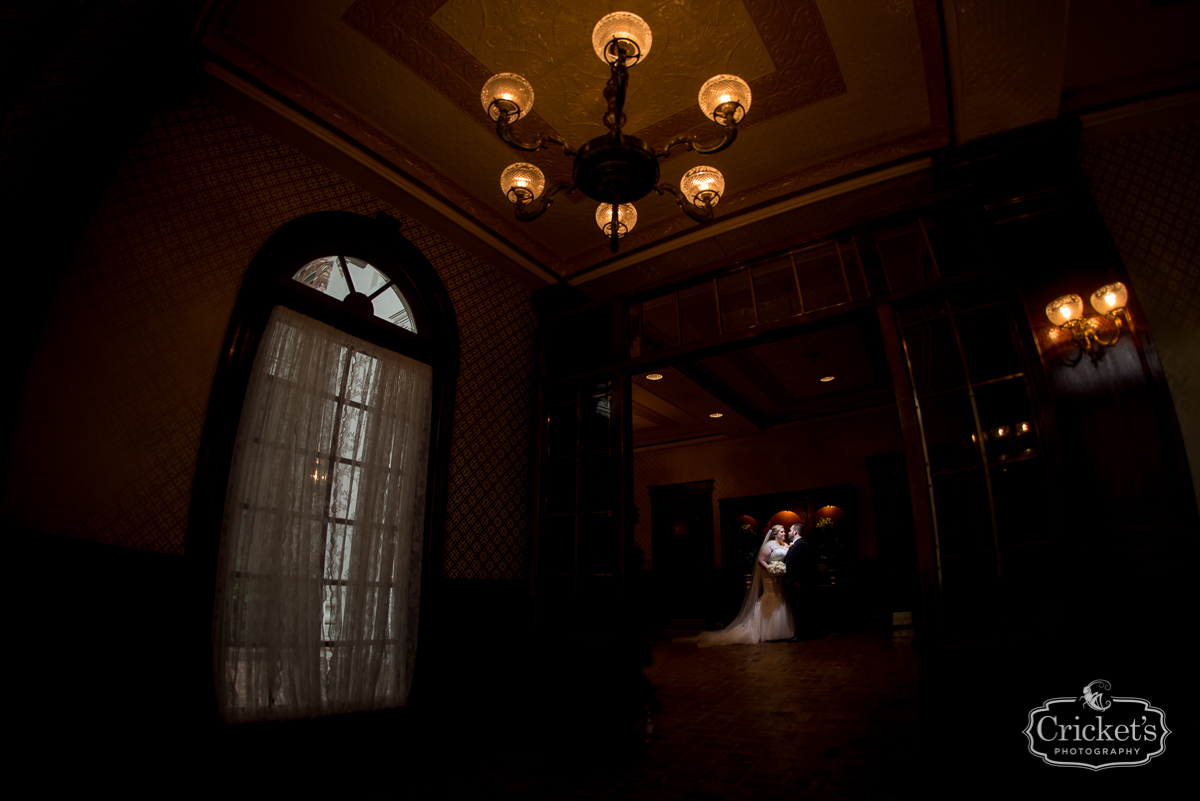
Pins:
x,y
558,140
528,212
704,217
1094,347
1116,321
693,142
505,132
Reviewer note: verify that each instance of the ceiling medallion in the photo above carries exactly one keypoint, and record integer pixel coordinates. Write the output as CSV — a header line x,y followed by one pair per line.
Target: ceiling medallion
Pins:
x,y
614,168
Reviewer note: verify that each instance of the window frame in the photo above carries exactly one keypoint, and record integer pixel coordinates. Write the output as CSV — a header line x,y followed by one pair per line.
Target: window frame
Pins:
x,y
268,283
343,266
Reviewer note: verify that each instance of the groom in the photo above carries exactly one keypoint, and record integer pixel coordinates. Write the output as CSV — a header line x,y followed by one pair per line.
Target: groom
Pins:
x,y
800,586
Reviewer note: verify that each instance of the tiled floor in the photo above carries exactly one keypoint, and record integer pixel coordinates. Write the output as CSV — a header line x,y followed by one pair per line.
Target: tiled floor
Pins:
x,y
821,718
833,718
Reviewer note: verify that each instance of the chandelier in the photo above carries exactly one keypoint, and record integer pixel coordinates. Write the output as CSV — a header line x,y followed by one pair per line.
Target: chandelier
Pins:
x,y
614,168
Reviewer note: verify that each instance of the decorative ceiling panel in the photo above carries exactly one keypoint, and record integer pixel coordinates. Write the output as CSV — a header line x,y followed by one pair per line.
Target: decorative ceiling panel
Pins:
x,y
840,86
550,44
1010,59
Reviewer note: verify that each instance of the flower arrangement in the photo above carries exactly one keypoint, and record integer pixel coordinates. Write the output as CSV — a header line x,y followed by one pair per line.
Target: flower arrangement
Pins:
x,y
776,568
751,539
829,546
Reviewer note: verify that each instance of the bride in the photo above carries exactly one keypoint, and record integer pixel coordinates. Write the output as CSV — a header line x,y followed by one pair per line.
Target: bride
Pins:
x,y
763,617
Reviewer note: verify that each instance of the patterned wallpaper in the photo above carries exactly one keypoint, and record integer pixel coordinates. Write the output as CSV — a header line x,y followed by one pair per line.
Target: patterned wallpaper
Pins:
x,y
1147,188
118,392
818,454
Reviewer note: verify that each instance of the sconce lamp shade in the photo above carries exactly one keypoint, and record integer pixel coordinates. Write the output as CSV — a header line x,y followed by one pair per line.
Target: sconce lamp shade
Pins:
x,y
626,218
834,513
1110,298
507,93
703,183
719,92
1063,310
522,182
786,518
622,33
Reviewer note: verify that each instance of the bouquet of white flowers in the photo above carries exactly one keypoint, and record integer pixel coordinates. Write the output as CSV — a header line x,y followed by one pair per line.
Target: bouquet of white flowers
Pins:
x,y
776,568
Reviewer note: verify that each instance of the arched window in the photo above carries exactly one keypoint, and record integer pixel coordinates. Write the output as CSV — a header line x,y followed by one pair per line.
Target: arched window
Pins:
x,y
340,277
331,416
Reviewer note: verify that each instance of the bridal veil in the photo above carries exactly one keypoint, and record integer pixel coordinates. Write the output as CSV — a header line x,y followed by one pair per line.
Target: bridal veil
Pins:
x,y
746,627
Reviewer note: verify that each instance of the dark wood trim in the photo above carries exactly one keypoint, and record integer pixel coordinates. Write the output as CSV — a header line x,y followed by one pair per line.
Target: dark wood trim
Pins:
x,y
918,478
535,501
621,446
828,317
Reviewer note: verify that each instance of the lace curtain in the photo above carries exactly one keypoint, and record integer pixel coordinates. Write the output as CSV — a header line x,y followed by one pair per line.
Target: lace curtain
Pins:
x,y
319,568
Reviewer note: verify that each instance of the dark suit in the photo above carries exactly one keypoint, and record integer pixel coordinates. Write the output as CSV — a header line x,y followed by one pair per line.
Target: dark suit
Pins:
x,y
800,587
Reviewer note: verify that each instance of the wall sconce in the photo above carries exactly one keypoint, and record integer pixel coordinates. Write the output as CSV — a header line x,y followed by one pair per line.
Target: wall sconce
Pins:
x,y
833,513
1066,312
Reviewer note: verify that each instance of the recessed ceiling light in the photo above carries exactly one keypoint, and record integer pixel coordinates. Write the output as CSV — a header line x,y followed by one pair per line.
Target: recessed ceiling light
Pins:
x,y
653,376
825,379
716,414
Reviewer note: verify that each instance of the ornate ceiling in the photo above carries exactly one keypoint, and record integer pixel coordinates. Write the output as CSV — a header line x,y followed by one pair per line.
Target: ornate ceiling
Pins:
x,y
839,87
842,89
850,100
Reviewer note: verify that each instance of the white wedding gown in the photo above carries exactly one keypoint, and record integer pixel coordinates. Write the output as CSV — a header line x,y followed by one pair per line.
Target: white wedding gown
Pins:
x,y
763,617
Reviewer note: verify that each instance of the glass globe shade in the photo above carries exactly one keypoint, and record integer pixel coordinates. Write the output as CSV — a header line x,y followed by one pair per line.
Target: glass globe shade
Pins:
x,y
1061,311
721,89
626,218
628,29
1110,297
522,179
510,87
702,182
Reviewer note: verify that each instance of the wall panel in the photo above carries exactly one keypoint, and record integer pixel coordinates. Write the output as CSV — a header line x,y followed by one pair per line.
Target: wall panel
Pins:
x,y
110,423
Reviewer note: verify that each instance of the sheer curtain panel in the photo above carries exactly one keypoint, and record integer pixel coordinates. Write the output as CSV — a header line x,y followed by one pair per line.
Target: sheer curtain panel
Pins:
x,y
319,566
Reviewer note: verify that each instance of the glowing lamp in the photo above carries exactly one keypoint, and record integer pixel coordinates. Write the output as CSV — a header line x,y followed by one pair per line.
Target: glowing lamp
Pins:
x,y
1110,298
622,35
703,186
522,182
626,217
507,96
725,98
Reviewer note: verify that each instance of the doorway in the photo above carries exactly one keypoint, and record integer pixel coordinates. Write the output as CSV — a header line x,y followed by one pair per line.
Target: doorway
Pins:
x,y
756,424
